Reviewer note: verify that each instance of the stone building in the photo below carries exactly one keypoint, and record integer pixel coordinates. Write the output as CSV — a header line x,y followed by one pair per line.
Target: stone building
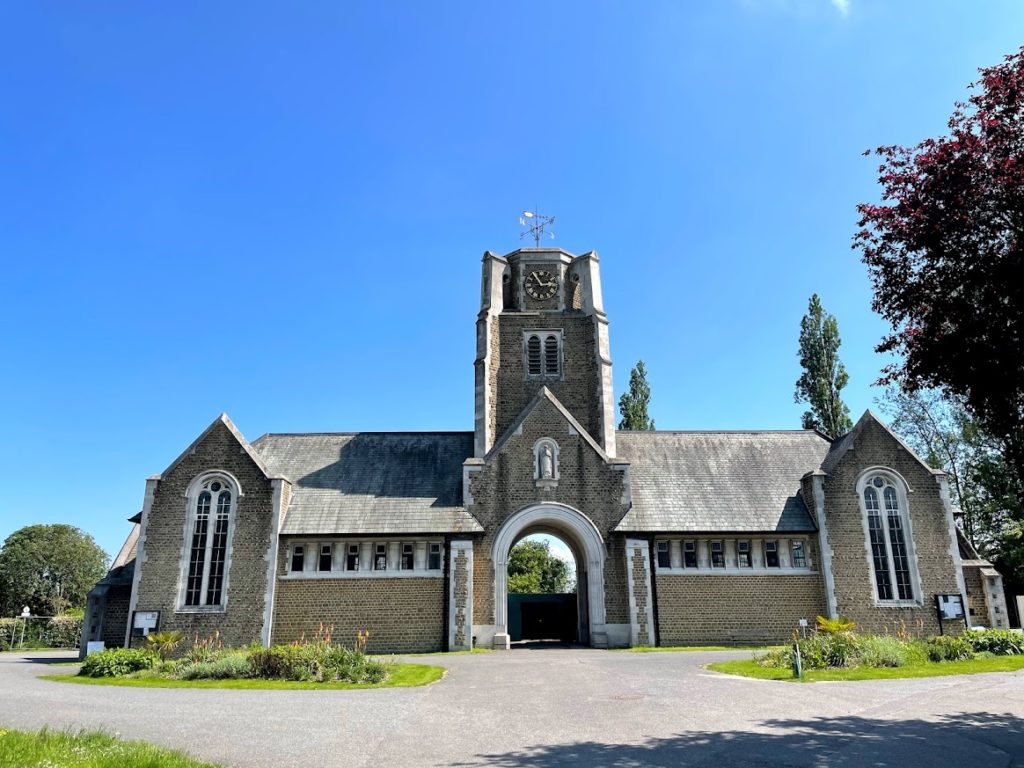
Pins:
x,y
678,537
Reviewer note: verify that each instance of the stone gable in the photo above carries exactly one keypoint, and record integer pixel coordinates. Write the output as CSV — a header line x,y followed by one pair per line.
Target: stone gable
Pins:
x,y
164,541
586,482
875,446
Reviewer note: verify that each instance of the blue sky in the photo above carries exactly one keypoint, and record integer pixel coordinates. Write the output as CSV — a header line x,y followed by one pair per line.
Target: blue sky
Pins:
x,y
278,210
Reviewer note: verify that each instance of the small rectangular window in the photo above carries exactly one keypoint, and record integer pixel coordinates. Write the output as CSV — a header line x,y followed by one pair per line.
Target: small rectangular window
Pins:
x,y
380,557
743,554
326,552
408,560
352,559
771,554
434,560
690,554
298,558
799,556
664,561
717,555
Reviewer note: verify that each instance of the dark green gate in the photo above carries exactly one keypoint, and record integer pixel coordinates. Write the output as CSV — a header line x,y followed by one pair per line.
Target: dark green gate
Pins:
x,y
542,617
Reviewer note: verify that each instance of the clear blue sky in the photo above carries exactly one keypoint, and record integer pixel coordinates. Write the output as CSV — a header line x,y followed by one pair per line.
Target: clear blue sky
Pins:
x,y
278,210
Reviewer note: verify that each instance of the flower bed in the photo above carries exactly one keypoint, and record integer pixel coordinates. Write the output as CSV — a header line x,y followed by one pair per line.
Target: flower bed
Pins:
x,y
319,660
835,645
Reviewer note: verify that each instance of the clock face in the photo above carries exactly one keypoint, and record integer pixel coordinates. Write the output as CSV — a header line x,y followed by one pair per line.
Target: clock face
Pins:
x,y
541,284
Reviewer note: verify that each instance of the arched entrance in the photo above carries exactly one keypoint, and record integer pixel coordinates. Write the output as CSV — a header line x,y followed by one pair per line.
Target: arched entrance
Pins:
x,y
583,538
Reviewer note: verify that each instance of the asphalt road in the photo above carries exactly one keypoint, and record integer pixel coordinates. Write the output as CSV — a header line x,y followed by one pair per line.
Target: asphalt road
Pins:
x,y
553,707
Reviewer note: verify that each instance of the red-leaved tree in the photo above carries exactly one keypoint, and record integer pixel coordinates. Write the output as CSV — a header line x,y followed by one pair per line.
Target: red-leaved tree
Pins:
x,y
945,251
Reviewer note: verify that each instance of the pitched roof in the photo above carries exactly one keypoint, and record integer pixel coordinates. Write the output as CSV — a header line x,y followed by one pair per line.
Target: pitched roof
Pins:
x,y
372,482
719,481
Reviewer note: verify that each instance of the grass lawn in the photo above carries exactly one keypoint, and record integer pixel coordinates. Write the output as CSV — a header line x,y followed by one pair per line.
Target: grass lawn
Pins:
x,y
677,648
56,749
750,668
404,676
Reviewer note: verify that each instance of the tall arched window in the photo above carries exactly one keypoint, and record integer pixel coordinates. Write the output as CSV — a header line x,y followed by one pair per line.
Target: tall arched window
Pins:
x,y
211,504
883,500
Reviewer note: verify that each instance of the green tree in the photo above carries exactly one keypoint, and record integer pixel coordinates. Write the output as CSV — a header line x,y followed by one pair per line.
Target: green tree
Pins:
x,y
532,569
633,404
824,376
49,568
945,252
941,429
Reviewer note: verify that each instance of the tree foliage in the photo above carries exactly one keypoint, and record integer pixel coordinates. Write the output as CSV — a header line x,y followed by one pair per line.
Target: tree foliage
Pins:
x,y
532,569
633,403
945,251
943,432
49,568
824,376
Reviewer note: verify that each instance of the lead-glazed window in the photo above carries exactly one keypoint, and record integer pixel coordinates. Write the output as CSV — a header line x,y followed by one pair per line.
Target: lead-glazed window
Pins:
x,y
886,523
212,506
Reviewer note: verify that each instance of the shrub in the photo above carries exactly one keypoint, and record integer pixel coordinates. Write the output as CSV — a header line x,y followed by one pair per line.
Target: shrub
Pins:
x,y
63,632
10,633
228,666
949,648
205,649
1001,642
833,626
317,661
882,651
164,643
115,662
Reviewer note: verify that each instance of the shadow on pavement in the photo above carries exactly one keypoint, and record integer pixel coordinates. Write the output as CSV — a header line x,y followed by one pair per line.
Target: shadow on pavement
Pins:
x,y
52,659
966,739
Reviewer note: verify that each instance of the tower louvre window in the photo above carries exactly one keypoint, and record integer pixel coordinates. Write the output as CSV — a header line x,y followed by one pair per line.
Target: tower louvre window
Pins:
x,y
533,355
543,353
551,355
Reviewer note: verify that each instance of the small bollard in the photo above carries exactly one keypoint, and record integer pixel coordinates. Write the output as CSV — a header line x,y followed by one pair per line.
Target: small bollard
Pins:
x,y
798,666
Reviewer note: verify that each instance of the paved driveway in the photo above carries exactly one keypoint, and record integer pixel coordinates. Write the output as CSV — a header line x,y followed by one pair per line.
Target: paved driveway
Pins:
x,y
555,707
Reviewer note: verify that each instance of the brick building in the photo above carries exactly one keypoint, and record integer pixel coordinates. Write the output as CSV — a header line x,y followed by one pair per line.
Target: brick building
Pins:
x,y
678,537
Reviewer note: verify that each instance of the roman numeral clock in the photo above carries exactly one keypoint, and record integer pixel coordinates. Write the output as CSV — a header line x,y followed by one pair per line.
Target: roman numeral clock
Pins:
x,y
541,284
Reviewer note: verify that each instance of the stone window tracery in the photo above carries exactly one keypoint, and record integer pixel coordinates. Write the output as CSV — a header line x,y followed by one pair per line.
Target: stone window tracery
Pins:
x,y
883,503
211,504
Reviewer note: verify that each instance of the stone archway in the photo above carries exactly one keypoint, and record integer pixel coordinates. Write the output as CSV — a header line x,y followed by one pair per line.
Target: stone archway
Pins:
x,y
583,538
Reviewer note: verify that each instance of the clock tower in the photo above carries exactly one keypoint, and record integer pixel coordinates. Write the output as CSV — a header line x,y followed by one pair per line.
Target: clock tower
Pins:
x,y
542,324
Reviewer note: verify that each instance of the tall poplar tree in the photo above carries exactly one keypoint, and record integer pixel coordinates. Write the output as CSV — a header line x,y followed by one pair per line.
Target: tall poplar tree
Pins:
x,y
633,404
824,375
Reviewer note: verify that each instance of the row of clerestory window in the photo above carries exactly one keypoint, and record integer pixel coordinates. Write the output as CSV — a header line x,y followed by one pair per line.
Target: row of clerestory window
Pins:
x,y
327,557
722,553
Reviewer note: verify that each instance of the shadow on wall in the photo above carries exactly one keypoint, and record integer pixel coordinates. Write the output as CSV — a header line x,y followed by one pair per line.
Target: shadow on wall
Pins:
x,y
967,739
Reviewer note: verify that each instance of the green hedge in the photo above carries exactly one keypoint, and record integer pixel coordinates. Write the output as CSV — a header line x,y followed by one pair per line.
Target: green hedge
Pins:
x,y
58,632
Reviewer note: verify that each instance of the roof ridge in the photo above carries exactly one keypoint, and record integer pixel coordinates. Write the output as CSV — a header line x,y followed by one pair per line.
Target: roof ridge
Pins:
x,y
369,432
720,432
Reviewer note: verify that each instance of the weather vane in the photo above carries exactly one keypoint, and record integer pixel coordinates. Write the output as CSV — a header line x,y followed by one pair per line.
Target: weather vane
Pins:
x,y
535,224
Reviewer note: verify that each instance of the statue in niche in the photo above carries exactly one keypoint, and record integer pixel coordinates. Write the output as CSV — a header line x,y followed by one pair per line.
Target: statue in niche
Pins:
x,y
547,463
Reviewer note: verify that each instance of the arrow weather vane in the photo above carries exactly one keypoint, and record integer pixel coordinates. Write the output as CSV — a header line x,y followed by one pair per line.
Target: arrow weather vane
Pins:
x,y
535,224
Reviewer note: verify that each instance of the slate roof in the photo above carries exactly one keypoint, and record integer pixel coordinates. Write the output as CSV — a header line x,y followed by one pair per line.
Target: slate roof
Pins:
x,y
719,481
372,482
